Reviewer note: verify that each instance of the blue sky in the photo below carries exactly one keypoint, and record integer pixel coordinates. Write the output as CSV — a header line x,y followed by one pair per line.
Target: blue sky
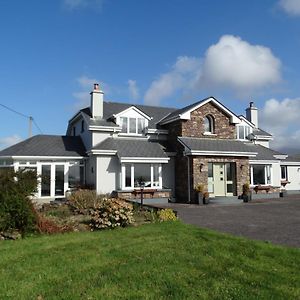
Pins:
x,y
159,52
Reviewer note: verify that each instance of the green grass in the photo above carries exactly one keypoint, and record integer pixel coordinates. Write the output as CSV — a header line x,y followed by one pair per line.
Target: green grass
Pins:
x,y
155,261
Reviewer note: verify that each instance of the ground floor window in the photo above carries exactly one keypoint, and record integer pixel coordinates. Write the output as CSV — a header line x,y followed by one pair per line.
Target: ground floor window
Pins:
x,y
284,175
133,174
260,174
76,174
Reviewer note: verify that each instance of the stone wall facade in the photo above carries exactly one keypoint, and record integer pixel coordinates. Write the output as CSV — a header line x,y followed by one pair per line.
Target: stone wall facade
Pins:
x,y
200,173
189,168
195,126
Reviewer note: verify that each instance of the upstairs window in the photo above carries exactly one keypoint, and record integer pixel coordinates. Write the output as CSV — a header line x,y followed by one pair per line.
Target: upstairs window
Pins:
x,y
74,131
132,125
209,124
242,132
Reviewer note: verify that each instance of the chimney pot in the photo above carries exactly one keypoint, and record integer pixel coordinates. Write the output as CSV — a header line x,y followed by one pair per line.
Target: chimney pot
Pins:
x,y
251,104
96,86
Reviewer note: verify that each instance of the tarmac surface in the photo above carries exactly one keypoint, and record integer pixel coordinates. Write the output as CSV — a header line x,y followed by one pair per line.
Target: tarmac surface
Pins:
x,y
272,220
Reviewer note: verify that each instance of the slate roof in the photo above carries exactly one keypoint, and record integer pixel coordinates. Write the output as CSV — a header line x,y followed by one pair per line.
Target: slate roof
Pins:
x,y
111,108
47,145
127,147
264,153
220,145
293,158
260,132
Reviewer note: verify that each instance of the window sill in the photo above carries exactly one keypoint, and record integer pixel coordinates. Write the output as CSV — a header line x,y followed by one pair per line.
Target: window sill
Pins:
x,y
209,134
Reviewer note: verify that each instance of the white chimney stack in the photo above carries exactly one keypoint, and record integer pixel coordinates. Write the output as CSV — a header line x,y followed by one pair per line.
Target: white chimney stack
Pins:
x,y
96,102
252,114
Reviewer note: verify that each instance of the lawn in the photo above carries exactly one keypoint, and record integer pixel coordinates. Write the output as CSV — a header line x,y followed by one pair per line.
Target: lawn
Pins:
x,y
155,261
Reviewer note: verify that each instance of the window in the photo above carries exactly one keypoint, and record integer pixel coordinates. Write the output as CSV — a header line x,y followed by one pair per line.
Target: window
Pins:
x,y
74,131
243,132
284,173
82,126
260,174
209,126
134,174
132,125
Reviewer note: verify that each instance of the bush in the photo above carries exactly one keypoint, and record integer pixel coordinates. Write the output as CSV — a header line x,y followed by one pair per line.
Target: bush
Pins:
x,y
111,213
16,209
167,215
84,200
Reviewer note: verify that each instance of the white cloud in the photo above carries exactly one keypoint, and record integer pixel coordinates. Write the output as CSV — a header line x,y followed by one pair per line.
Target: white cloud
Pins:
x,y
133,89
281,118
231,63
238,65
182,74
9,141
292,7
79,4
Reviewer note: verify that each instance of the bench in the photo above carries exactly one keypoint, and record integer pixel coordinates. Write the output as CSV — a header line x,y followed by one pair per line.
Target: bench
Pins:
x,y
266,188
145,191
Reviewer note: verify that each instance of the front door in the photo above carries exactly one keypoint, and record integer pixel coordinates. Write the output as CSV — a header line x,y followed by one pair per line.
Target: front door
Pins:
x,y
219,179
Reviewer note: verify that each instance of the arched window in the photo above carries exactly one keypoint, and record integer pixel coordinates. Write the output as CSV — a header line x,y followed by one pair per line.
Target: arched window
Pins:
x,y
209,124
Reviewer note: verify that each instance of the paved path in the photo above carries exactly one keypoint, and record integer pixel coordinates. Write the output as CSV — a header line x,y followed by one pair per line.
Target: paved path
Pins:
x,y
277,221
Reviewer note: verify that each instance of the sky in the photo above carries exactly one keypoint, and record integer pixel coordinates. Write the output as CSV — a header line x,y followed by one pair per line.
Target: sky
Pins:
x,y
160,52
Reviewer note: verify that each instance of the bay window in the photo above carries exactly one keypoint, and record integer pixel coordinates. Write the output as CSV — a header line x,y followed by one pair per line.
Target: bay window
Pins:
x,y
135,173
260,174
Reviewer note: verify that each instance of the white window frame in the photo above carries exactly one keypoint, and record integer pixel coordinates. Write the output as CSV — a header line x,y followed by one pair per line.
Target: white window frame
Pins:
x,y
123,176
245,129
211,122
136,126
268,174
285,172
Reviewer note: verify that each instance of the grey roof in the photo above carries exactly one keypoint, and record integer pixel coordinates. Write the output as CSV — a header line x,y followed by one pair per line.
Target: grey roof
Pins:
x,y
264,153
112,108
260,132
293,158
222,145
127,147
180,111
47,145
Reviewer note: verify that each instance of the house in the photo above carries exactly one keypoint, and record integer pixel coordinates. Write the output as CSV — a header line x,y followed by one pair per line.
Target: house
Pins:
x,y
113,147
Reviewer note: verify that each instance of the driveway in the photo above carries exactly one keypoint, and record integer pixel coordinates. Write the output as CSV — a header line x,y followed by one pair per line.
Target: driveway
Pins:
x,y
277,221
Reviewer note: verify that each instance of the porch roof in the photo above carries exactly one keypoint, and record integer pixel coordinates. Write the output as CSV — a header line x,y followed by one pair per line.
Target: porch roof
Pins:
x,y
47,145
130,147
217,147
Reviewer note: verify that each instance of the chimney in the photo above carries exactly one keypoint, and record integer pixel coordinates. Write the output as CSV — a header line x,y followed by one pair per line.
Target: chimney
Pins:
x,y
96,102
252,114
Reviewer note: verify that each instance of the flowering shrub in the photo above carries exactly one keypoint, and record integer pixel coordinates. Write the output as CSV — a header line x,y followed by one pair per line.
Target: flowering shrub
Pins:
x,y
167,215
111,213
84,200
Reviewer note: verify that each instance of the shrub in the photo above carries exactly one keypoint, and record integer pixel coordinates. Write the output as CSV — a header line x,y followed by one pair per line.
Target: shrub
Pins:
x,y
246,188
111,213
48,226
17,212
199,188
167,215
84,200
16,209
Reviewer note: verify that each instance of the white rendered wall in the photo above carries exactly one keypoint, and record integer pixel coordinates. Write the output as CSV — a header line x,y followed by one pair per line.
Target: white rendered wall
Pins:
x,y
99,137
90,171
293,177
276,174
108,174
263,143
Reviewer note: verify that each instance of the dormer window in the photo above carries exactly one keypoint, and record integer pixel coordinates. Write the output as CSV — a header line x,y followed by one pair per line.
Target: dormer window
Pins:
x,y
132,125
242,132
209,124
82,126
